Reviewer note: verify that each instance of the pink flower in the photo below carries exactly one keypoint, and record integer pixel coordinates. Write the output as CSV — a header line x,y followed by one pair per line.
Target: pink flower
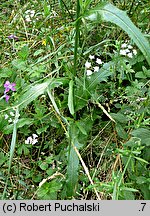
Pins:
x,y
12,36
7,97
9,86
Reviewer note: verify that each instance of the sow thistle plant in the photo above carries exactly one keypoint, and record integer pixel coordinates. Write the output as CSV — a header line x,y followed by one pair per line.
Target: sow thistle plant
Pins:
x,y
67,116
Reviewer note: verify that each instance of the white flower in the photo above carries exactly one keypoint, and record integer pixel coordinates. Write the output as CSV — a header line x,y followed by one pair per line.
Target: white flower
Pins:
x,y
29,15
31,140
28,18
96,68
91,57
130,47
99,61
122,52
134,51
34,141
32,12
124,45
6,116
87,64
10,120
15,121
12,114
18,115
127,50
130,55
28,11
34,136
88,72
53,14
28,140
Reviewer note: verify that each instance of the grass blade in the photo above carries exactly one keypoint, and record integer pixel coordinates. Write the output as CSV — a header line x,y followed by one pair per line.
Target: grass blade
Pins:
x,y
86,171
70,98
12,149
53,101
31,94
72,171
73,161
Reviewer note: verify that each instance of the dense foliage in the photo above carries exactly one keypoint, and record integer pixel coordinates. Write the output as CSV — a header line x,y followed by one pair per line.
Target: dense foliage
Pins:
x,y
75,99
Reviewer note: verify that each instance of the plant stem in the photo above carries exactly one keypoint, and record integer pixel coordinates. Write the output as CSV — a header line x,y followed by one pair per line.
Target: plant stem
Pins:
x,y
67,9
12,148
76,38
119,183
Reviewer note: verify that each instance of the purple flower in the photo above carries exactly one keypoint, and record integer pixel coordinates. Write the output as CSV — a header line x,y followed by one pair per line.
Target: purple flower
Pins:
x,y
7,97
13,37
9,86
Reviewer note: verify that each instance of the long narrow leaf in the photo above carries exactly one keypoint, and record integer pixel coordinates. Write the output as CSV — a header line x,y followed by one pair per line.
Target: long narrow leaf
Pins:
x,y
13,141
32,94
70,98
53,101
110,13
73,161
72,172
12,149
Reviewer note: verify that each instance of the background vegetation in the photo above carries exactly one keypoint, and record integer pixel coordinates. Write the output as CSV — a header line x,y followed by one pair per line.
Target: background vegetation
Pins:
x,y
75,99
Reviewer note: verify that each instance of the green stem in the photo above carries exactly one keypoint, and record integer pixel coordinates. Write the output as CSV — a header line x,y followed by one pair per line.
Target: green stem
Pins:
x,y
12,148
126,166
120,181
67,9
76,38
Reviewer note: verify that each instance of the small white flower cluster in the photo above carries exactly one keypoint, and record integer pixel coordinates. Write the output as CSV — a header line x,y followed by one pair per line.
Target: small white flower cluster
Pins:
x,y
29,14
32,139
53,14
127,50
91,69
11,117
